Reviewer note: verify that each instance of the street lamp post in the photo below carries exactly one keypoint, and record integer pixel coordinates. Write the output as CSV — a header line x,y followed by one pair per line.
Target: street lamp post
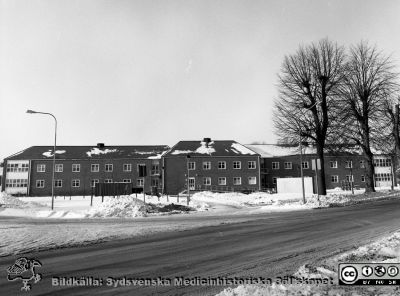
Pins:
x,y
54,152
188,181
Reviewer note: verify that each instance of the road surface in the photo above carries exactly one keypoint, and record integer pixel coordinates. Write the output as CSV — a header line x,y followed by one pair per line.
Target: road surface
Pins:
x,y
272,245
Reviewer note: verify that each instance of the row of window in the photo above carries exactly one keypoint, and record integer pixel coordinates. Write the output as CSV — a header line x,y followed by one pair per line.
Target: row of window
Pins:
x,y
379,162
17,167
108,167
305,165
289,165
16,183
383,177
222,165
222,181
58,183
382,162
335,179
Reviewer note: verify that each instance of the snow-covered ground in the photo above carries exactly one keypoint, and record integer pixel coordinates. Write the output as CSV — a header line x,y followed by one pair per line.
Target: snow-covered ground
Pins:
x,y
82,224
201,202
384,250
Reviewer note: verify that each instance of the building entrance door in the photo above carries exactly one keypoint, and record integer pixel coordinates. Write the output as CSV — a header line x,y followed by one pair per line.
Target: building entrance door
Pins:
x,y
192,184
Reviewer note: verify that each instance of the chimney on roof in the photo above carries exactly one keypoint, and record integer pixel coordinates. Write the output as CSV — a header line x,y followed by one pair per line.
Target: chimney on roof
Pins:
x,y
100,145
207,141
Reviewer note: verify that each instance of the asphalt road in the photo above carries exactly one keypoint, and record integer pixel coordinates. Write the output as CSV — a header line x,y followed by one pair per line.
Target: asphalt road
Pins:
x,y
272,245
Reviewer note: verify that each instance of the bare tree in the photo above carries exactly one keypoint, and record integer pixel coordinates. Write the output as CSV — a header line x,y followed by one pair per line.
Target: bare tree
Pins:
x,y
369,81
392,122
308,86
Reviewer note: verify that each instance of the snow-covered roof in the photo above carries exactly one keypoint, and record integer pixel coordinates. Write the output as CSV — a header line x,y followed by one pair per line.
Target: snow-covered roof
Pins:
x,y
213,148
92,152
273,150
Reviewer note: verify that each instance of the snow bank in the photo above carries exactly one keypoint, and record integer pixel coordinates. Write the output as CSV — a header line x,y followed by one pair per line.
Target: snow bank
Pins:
x,y
122,207
385,250
8,201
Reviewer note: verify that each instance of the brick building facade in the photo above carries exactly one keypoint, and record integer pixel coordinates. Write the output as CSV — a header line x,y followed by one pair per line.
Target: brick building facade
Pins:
x,y
211,165
340,168
207,165
78,168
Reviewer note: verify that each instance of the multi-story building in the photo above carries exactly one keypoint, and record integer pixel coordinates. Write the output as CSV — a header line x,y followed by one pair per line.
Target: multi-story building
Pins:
x,y
341,168
211,165
79,168
204,165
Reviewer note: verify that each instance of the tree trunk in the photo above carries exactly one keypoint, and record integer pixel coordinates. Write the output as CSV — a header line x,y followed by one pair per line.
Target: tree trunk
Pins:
x,y
369,172
321,173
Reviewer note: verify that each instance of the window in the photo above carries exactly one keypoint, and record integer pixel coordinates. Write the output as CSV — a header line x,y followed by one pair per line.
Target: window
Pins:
x,y
349,178
382,162
383,177
333,165
95,167
305,165
41,168
93,182
155,169
24,167
206,181
348,164
237,165
108,180
76,168
274,180
362,178
59,168
362,164
39,183
206,165
155,182
127,167
288,165
191,165
251,165
139,182
237,181
335,179
12,167
76,183
127,181
108,167
222,165
17,183
275,165
222,181
58,183
15,167
252,180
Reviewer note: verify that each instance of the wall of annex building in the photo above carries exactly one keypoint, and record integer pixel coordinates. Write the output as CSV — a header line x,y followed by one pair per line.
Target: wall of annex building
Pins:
x,y
338,169
88,172
16,177
176,173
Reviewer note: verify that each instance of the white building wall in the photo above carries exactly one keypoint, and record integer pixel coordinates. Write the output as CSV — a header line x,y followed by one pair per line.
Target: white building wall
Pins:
x,y
17,175
293,185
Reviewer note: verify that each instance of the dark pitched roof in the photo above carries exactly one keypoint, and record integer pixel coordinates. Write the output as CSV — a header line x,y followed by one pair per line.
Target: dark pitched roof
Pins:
x,y
91,152
214,148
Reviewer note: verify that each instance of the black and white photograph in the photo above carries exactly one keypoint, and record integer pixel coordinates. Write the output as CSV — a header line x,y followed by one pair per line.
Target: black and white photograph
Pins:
x,y
200,147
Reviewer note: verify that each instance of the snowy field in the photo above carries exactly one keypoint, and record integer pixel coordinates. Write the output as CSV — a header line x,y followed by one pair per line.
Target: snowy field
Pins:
x,y
74,222
385,250
79,207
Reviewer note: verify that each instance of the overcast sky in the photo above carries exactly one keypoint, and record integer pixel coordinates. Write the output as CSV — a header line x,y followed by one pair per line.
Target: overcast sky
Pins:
x,y
156,72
